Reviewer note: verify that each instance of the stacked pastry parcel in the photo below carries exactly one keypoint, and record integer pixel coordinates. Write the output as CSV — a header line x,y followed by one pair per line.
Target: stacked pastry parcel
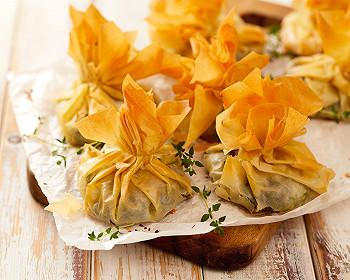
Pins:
x,y
214,68
135,177
328,74
259,165
172,23
103,55
300,32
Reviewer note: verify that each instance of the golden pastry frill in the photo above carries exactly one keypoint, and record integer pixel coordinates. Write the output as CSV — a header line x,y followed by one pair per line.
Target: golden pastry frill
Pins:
x,y
135,177
103,56
328,74
258,164
173,22
213,69
300,32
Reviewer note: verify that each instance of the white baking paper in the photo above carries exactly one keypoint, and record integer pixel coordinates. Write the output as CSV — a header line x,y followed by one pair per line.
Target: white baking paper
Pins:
x,y
327,140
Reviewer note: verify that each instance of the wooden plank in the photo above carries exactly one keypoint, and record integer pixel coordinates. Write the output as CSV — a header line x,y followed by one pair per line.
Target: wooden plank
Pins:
x,y
30,247
53,19
7,23
42,34
329,235
142,261
238,247
286,256
261,8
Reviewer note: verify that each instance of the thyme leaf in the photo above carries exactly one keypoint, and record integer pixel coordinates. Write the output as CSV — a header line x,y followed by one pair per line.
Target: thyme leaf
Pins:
x,y
113,233
61,145
63,141
187,160
337,117
78,152
274,29
214,208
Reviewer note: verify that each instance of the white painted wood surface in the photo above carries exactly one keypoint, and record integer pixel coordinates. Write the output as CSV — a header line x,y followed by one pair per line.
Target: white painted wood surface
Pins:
x,y
33,34
286,256
7,29
29,245
329,236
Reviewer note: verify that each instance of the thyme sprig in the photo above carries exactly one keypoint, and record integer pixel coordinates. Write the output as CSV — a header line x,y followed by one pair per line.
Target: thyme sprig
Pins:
x,y
186,158
274,43
274,30
189,162
113,232
78,152
214,208
60,144
337,117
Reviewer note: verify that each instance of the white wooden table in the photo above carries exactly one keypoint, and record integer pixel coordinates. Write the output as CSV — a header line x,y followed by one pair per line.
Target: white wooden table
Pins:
x,y
34,34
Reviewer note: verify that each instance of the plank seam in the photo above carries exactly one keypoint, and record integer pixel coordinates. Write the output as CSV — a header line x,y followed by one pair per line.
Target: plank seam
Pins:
x,y
315,263
90,265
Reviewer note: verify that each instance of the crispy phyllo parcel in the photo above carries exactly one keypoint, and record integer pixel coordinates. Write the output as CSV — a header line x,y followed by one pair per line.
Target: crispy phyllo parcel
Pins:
x,y
259,165
135,177
251,37
103,56
300,32
173,22
213,69
328,74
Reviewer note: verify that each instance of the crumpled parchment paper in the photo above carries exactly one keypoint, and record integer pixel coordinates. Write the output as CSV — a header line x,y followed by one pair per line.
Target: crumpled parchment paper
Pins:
x,y
327,140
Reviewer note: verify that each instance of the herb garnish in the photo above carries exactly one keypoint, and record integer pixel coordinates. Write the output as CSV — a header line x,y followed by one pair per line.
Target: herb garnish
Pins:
x,y
274,43
214,208
78,152
62,144
114,233
188,162
337,117
274,29
34,136
187,158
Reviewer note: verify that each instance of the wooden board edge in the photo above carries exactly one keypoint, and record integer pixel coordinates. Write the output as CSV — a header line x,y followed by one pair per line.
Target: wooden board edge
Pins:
x,y
236,249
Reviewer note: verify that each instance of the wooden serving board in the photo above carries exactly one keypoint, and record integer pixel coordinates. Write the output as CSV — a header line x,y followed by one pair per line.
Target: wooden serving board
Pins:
x,y
260,12
238,247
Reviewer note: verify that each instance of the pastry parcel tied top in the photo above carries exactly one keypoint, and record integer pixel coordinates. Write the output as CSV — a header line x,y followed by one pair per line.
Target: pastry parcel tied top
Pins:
x,y
213,69
300,33
172,23
258,164
328,74
103,56
135,177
